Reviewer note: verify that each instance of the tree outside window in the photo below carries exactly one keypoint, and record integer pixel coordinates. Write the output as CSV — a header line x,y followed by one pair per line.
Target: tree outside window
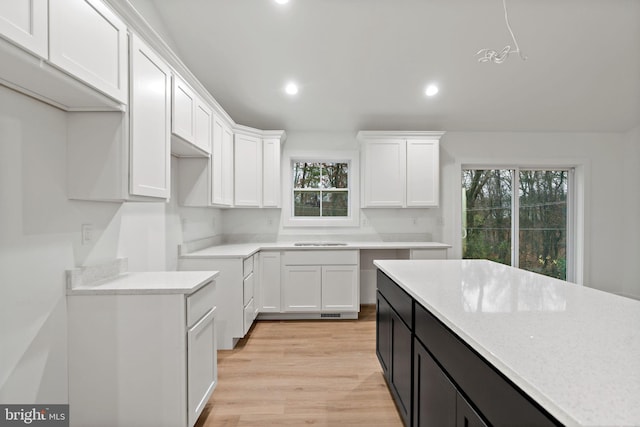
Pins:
x,y
320,189
529,204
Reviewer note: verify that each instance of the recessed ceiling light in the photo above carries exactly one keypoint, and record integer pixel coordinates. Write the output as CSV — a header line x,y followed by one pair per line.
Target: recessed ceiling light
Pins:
x,y
282,1
291,88
431,90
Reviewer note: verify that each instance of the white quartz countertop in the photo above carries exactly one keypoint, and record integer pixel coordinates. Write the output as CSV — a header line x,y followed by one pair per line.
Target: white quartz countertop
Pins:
x,y
573,349
248,249
158,282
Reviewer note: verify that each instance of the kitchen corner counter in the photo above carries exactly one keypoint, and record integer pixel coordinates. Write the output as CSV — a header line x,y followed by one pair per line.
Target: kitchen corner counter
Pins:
x,y
574,350
111,279
244,250
157,282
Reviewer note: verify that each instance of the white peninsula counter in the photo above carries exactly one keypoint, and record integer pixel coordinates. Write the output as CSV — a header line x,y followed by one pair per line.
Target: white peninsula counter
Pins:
x,y
142,345
572,351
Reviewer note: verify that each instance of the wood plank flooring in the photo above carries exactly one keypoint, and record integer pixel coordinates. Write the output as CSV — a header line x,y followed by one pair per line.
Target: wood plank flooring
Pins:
x,y
295,373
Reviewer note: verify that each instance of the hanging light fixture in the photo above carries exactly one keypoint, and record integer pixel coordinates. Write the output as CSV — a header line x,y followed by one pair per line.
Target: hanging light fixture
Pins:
x,y
490,55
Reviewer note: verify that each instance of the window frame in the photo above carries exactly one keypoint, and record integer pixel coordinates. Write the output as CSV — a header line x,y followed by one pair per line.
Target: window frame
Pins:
x,y
349,157
577,214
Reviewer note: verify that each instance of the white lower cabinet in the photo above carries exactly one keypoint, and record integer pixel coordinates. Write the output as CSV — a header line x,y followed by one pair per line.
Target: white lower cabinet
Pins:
x,y
320,281
340,288
269,286
234,295
202,364
302,288
141,359
248,291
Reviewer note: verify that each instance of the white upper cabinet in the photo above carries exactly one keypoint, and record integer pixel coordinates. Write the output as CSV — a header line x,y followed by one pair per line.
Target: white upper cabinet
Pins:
x,y
423,164
400,169
247,170
257,168
89,41
222,164
203,126
183,110
384,173
191,122
25,22
150,122
271,173
116,156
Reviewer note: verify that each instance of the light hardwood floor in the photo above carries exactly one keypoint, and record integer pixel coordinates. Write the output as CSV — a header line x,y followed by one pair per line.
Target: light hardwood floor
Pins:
x,y
295,373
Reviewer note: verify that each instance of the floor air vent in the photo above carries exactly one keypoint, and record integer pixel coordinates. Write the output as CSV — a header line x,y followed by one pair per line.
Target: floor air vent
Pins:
x,y
328,315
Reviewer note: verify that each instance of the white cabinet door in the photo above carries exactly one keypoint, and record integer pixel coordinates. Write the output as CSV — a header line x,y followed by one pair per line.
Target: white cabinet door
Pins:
x,y
271,173
150,122
89,41
222,164
340,288
301,288
227,166
247,171
202,131
25,22
269,300
384,173
423,164
202,372
183,110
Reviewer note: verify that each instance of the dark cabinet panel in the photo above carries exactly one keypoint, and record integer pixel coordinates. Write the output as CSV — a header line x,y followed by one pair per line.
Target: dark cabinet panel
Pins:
x,y
465,415
434,397
383,334
401,301
401,352
500,401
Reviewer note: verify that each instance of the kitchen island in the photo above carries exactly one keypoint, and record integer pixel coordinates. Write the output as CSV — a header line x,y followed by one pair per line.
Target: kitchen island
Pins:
x,y
479,342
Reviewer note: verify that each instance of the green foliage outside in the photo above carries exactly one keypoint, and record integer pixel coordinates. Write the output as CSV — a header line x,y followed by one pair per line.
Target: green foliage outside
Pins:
x,y
542,216
320,189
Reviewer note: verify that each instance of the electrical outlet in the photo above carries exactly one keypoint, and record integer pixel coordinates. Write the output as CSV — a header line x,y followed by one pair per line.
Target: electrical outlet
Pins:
x,y
86,233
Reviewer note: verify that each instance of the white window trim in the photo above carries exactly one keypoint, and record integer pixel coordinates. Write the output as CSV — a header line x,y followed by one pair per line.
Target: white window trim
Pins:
x,y
351,157
578,217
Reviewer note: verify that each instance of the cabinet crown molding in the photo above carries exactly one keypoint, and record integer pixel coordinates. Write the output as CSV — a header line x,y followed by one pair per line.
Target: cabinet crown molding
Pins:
x,y
262,134
364,135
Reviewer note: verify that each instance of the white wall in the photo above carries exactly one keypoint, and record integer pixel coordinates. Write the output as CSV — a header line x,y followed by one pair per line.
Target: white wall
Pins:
x,y
630,212
40,239
602,153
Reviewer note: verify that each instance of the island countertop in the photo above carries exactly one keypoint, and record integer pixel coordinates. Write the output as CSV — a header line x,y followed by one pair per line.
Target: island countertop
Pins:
x,y
573,349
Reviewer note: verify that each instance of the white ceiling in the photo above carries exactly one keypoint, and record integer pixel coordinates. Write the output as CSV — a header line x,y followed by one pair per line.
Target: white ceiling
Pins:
x,y
364,64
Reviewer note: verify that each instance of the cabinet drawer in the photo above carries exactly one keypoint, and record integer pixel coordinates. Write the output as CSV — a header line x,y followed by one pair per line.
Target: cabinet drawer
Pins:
x,y
500,401
249,315
247,266
399,300
321,257
200,302
248,288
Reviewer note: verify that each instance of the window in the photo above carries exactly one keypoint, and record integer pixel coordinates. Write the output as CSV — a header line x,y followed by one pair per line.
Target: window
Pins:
x,y
519,217
320,189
